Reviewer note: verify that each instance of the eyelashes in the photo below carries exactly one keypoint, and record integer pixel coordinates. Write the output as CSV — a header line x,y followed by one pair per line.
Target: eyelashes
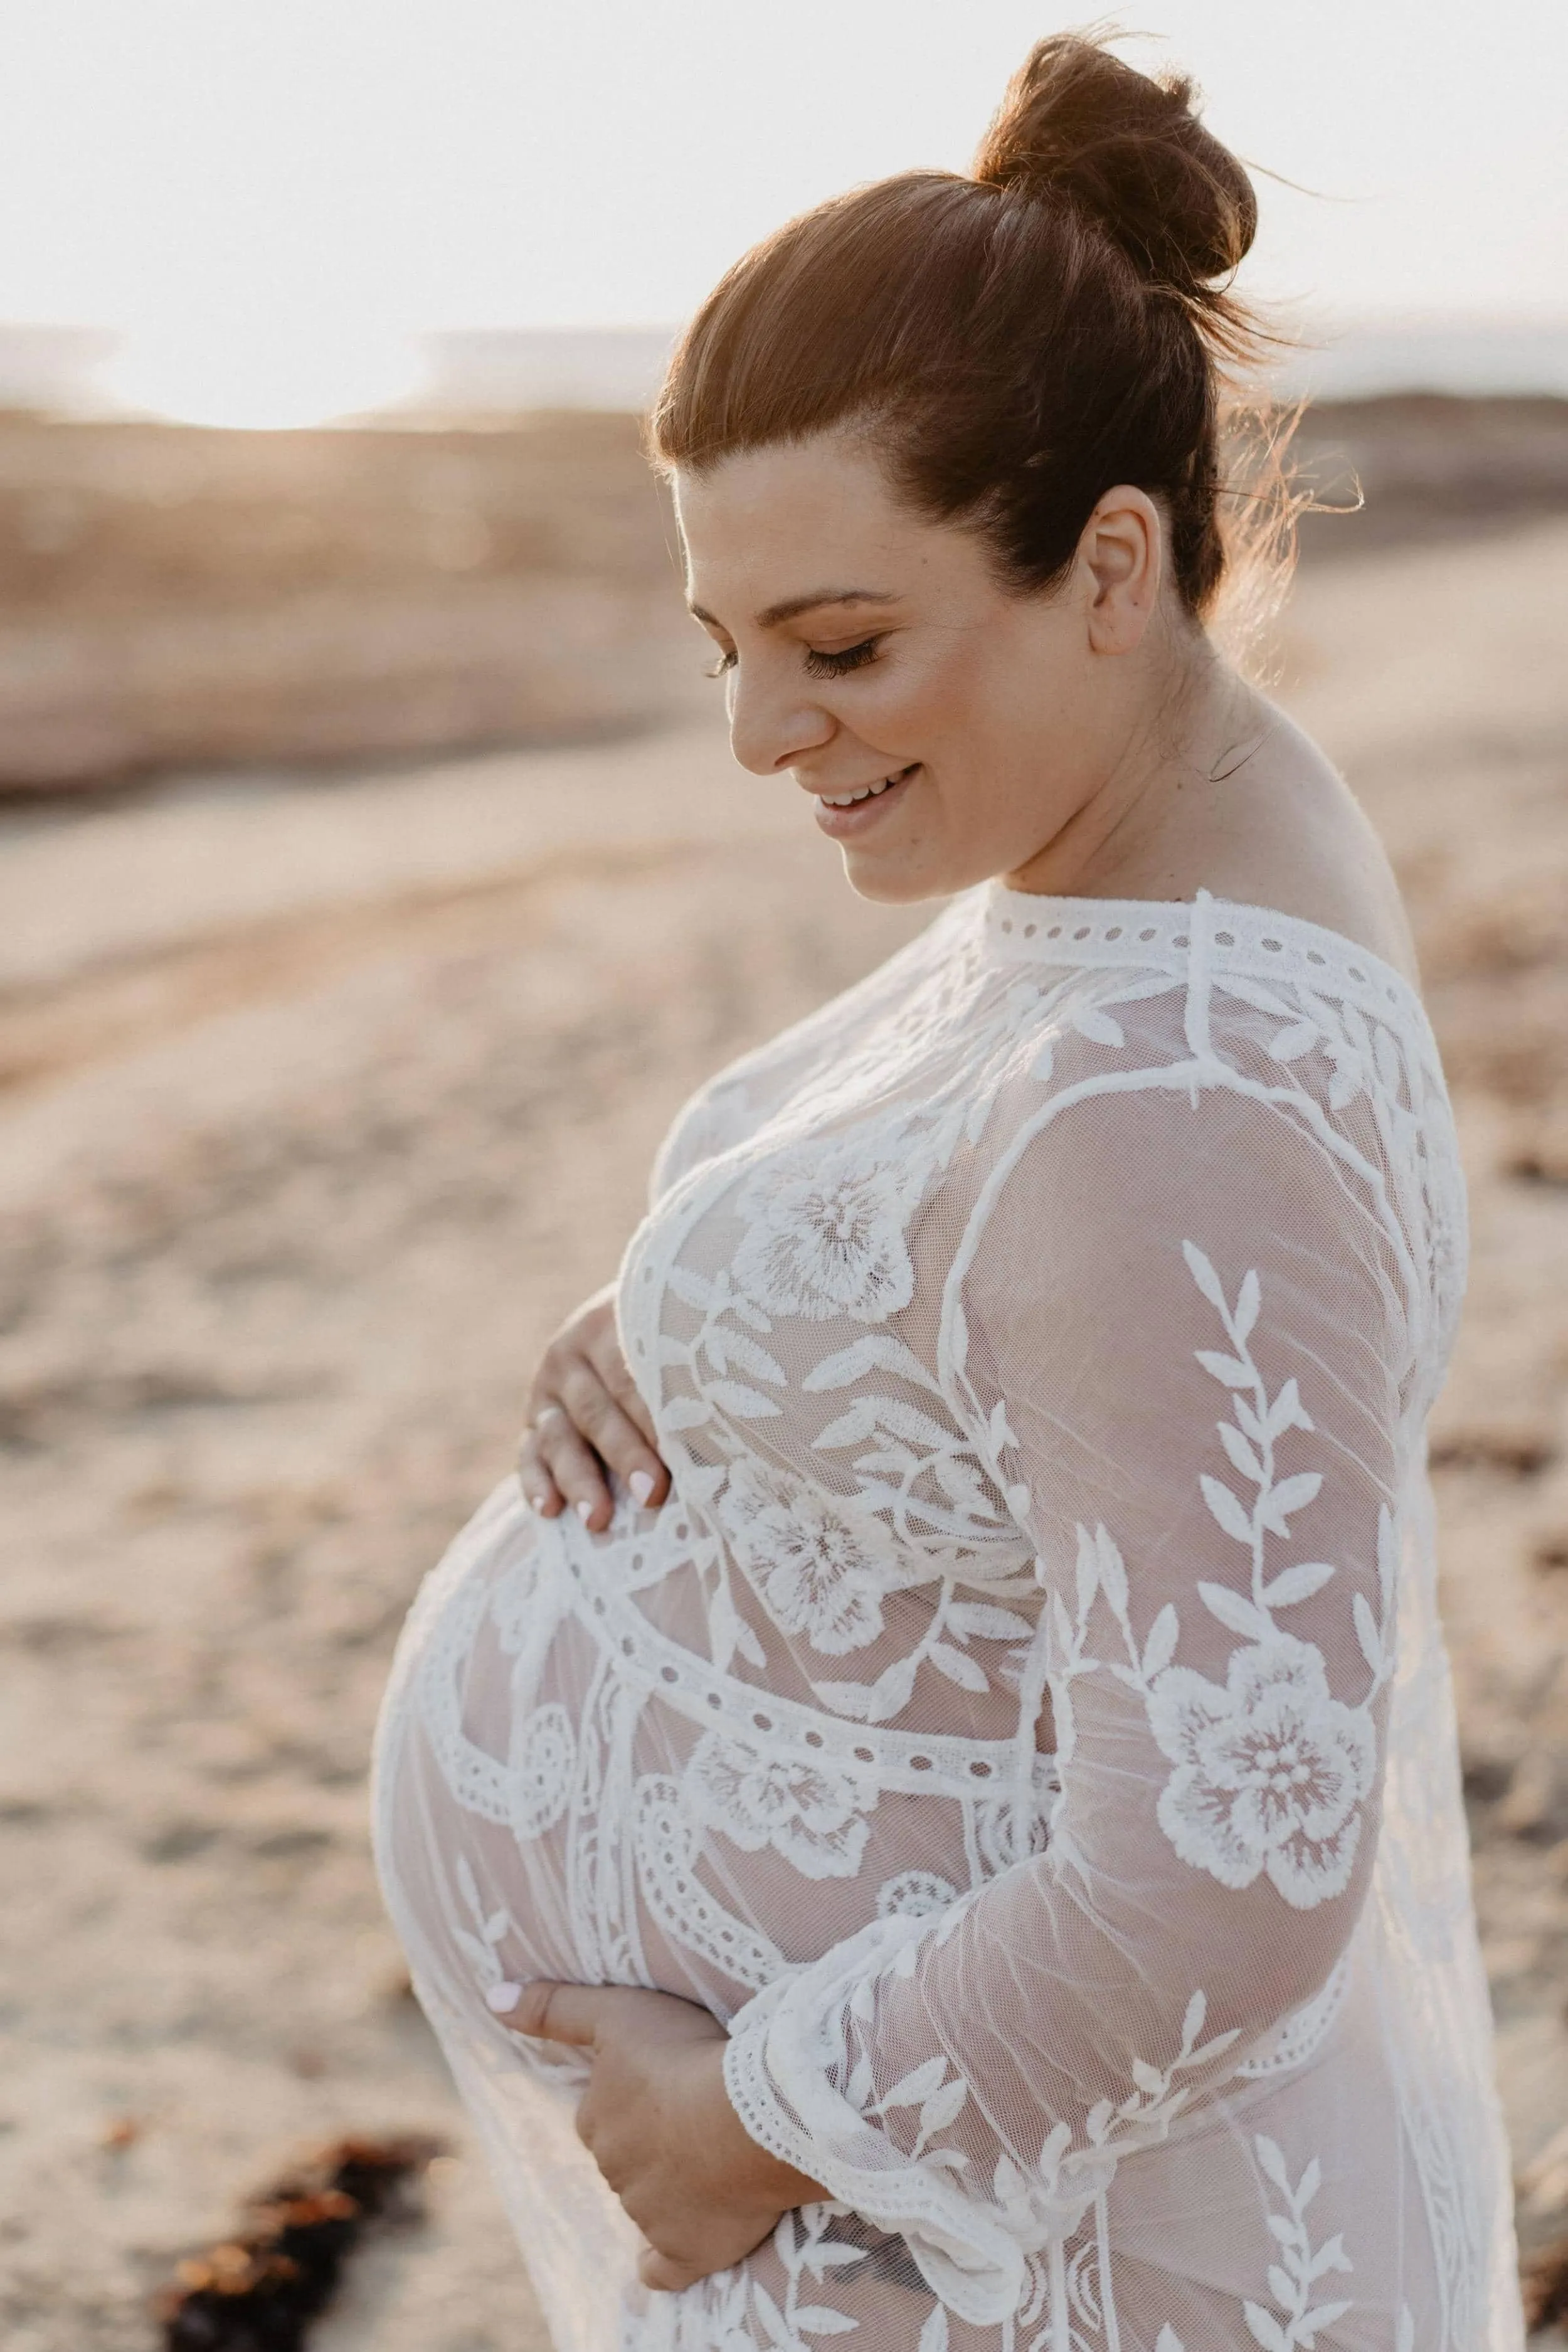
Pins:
x,y
839,664
817,665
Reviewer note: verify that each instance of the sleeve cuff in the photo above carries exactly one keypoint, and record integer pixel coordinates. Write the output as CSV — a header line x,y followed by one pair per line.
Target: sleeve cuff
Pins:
x,y
787,2057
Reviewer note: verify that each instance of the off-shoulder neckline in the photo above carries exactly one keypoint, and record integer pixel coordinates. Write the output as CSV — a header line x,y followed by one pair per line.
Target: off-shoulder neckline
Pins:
x,y
1037,926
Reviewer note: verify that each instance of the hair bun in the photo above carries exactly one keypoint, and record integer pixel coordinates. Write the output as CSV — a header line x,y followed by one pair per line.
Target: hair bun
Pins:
x,y
1078,123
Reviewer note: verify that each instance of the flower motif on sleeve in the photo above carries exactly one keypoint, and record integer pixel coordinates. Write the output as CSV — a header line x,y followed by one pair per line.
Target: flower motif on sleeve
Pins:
x,y
1269,1770
821,1567
814,1818
824,1234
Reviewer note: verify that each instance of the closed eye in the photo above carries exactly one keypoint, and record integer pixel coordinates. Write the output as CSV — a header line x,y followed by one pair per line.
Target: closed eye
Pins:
x,y
817,665
836,664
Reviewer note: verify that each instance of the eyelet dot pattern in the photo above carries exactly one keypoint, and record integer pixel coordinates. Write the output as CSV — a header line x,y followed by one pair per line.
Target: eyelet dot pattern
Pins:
x,y
687,1682
1380,992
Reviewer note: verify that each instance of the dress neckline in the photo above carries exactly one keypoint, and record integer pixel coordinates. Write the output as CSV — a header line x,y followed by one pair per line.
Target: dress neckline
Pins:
x,y
1028,926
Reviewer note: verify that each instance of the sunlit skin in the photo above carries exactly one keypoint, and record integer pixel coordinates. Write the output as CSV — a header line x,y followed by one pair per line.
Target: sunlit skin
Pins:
x,y
1087,743
1091,742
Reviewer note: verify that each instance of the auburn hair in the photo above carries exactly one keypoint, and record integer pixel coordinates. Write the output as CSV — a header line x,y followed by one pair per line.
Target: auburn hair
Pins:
x,y
1014,341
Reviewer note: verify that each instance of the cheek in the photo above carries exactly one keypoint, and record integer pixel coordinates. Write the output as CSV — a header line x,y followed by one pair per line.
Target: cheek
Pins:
x,y
926,704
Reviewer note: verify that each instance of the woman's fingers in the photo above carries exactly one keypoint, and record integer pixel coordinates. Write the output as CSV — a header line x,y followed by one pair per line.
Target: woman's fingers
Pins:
x,y
597,1417
588,1420
574,1469
709,2243
656,2270
605,1354
534,1477
589,2015
636,1456
619,1441
546,2012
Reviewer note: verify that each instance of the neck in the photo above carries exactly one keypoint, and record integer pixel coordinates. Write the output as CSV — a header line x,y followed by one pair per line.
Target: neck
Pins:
x,y
1191,725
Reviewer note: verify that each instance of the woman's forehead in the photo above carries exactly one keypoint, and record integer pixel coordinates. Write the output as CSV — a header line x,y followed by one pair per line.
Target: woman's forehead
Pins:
x,y
797,525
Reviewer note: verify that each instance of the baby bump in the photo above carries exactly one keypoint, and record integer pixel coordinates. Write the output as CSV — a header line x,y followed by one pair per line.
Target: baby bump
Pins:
x,y
541,1809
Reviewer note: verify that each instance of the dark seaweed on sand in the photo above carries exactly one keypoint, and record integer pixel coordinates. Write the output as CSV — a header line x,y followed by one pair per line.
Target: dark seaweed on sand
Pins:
x,y
1543,2276
260,2290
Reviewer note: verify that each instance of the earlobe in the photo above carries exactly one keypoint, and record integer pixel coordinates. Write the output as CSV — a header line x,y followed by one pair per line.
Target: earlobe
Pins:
x,y
1123,547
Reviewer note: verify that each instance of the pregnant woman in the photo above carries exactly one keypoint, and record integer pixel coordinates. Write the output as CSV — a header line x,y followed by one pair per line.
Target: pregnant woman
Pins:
x,y
930,1816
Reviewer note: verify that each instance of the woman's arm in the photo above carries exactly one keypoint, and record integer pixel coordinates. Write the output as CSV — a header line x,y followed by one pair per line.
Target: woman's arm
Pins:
x,y
1178,1327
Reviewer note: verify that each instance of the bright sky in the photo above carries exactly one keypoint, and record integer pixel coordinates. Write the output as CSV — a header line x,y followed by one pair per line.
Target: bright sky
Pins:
x,y
340,171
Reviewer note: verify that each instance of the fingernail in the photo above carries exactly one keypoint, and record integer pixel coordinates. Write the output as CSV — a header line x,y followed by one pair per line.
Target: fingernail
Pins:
x,y
585,1512
538,1497
502,1997
641,1486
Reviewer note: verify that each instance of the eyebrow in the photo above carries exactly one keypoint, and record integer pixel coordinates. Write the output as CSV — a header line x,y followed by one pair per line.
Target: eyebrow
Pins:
x,y
773,616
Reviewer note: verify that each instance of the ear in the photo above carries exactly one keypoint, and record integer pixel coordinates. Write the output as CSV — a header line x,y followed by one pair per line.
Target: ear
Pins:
x,y
1122,551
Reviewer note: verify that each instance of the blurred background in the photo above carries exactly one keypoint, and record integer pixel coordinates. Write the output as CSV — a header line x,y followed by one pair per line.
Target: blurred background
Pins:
x,y
374,882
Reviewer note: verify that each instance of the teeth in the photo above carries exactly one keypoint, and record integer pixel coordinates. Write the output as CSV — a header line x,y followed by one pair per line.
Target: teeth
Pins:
x,y
866,793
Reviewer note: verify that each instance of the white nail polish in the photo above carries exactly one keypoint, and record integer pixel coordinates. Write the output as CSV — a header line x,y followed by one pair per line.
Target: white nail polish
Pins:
x,y
641,1486
585,1512
502,1997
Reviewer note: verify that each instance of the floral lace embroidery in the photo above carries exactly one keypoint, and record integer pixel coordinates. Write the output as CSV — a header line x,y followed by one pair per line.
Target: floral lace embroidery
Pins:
x,y
821,1568
815,1819
1269,1771
822,1473
1271,1768
824,1234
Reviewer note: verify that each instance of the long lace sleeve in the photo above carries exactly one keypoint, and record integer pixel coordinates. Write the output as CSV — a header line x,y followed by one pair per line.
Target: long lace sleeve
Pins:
x,y
1178,1328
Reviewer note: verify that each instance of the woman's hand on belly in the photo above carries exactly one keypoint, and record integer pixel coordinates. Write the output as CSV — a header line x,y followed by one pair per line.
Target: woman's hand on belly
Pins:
x,y
657,2119
586,1418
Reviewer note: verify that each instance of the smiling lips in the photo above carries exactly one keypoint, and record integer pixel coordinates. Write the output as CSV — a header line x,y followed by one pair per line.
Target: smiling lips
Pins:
x,y
868,792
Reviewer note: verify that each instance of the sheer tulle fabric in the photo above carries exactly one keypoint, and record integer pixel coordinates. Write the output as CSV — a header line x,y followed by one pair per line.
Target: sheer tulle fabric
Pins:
x,y
1027,1726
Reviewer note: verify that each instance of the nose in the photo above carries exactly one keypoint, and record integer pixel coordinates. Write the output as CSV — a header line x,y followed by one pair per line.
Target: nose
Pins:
x,y
771,724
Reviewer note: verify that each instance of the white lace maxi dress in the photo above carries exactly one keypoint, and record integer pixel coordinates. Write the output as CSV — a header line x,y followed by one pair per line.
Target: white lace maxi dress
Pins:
x,y
1028,1725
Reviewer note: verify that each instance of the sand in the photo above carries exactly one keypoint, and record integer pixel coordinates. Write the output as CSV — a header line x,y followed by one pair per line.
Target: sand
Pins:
x,y
321,1102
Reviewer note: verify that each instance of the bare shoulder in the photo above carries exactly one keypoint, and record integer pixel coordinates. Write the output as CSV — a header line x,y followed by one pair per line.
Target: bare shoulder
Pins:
x,y
1285,831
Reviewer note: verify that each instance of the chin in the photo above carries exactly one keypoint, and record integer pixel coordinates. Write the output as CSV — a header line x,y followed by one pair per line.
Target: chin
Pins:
x,y
901,882
896,889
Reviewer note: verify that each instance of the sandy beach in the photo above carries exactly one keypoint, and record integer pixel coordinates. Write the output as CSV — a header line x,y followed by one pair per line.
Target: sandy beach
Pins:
x,y
322,1100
